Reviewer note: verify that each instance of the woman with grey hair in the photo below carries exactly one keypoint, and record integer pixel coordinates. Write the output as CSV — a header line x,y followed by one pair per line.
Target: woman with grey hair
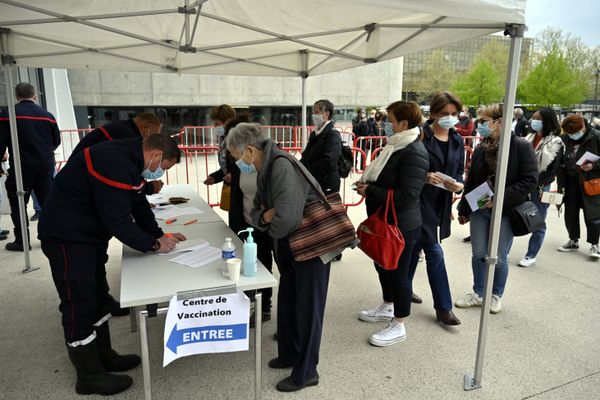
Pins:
x,y
278,208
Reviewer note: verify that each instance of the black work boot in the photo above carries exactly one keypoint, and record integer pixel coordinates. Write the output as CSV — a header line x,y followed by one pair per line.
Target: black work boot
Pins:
x,y
109,358
91,375
114,307
17,245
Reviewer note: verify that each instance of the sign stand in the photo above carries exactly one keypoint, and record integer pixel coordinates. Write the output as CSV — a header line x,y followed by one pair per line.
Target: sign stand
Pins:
x,y
153,310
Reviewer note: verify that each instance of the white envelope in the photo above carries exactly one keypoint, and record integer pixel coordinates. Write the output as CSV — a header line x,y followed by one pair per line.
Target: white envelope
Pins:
x,y
552,198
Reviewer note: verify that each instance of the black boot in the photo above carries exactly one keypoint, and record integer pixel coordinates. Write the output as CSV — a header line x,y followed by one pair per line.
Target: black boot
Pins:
x,y
109,358
114,307
91,375
17,245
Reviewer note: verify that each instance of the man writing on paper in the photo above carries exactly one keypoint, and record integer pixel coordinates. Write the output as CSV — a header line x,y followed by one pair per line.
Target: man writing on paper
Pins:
x,y
94,197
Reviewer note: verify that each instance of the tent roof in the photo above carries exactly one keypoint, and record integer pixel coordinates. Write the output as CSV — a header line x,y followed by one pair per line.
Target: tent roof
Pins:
x,y
240,37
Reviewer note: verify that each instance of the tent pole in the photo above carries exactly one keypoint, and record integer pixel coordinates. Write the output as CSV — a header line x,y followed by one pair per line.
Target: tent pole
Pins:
x,y
304,75
8,81
473,381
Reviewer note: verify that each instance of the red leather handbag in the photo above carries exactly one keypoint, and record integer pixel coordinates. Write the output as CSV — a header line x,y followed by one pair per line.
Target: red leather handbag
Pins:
x,y
379,240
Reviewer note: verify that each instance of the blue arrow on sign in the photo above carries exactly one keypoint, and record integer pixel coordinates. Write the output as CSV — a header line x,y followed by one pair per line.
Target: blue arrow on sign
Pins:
x,y
200,334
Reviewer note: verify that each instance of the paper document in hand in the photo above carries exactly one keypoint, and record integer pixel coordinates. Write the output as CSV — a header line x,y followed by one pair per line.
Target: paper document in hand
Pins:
x,y
587,157
199,257
157,199
476,196
443,177
187,245
168,212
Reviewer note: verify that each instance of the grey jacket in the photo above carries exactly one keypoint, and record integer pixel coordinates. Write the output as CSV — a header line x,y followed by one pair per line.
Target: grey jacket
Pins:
x,y
281,187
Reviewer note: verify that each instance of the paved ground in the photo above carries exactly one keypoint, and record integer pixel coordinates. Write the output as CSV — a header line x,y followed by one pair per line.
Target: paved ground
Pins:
x,y
544,345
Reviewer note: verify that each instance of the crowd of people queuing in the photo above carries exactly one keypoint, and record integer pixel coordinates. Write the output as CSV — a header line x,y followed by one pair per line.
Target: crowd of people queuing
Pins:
x,y
100,194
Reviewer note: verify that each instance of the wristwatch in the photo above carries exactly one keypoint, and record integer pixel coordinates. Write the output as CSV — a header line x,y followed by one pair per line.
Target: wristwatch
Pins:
x,y
156,245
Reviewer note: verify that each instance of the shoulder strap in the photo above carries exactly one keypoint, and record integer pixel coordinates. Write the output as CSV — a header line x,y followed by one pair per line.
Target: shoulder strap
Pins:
x,y
308,180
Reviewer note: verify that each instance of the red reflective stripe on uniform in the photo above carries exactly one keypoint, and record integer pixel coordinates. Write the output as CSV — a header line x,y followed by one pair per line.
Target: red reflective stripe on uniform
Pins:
x,y
105,132
32,118
110,182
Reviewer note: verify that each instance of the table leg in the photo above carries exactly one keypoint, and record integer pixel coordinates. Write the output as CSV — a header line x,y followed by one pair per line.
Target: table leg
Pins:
x,y
133,318
143,321
258,345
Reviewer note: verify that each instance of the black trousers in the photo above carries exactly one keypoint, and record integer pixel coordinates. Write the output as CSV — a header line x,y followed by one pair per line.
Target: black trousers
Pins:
x,y
38,179
573,204
300,309
396,284
80,279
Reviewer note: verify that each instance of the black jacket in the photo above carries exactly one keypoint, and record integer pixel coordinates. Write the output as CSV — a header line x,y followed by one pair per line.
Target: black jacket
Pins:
x,y
38,134
360,127
436,203
405,173
521,176
95,198
321,157
590,142
522,127
111,131
550,168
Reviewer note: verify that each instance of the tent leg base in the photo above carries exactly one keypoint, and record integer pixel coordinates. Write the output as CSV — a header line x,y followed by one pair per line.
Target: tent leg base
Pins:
x,y
470,382
30,269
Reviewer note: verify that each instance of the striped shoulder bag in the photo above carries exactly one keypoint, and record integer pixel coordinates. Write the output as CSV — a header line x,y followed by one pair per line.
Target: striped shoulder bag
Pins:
x,y
325,225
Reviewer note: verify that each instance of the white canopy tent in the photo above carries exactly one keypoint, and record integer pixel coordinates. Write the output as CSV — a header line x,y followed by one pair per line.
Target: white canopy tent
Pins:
x,y
254,37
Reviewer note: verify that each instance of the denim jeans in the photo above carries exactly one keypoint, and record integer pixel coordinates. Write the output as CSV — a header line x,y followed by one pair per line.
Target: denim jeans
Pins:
x,y
480,231
436,273
537,237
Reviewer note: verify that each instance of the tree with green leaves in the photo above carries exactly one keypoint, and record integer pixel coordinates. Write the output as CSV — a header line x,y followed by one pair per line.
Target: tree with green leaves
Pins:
x,y
481,85
553,81
437,76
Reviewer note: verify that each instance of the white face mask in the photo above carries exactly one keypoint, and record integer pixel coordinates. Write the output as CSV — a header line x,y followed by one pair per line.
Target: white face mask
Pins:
x,y
318,120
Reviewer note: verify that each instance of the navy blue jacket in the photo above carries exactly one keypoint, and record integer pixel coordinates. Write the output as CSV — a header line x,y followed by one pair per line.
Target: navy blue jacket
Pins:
x,y
97,195
436,203
111,131
38,134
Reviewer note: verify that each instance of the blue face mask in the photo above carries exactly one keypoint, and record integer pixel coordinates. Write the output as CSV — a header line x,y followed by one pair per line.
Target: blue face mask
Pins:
x,y
484,129
318,119
536,125
447,122
576,136
388,128
153,175
244,167
219,131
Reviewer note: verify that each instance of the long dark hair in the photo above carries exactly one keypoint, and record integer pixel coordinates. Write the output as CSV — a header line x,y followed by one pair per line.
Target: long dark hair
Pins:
x,y
550,124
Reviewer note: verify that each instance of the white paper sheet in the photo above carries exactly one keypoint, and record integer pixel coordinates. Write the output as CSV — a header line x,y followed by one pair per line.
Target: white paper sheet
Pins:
x,y
444,177
186,246
199,257
587,157
157,198
478,193
167,212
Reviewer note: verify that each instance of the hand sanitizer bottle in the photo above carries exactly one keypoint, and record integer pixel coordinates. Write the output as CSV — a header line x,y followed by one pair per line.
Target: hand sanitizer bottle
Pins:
x,y
249,258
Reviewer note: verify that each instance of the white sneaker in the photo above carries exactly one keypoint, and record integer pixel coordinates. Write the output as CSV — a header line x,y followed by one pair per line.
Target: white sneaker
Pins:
x,y
496,305
594,251
569,246
527,262
382,313
393,333
470,300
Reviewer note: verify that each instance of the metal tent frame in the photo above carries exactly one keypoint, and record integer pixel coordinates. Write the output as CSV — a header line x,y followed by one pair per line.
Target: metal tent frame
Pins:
x,y
134,40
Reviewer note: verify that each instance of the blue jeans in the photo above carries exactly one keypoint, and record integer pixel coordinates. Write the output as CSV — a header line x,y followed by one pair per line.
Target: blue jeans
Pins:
x,y
436,273
537,237
36,204
480,232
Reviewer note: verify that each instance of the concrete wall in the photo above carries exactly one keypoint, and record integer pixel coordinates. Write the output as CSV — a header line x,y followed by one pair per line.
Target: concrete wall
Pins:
x,y
375,84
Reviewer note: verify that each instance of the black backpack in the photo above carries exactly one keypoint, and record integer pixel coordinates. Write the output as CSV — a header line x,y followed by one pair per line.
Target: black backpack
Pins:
x,y
345,162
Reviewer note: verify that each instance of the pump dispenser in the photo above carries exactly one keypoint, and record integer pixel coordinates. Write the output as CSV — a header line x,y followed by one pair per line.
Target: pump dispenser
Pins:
x,y
249,258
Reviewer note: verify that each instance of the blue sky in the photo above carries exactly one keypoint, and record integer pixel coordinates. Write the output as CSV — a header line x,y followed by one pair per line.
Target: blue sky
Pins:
x,y
581,17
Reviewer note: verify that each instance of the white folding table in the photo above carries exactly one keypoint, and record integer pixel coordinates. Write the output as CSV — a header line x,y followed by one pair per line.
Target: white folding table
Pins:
x,y
149,279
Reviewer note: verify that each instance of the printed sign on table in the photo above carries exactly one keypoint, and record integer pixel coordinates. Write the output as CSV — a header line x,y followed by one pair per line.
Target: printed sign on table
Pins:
x,y
214,324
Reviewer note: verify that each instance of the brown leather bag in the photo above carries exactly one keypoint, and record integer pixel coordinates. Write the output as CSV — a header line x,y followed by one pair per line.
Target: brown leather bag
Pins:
x,y
590,187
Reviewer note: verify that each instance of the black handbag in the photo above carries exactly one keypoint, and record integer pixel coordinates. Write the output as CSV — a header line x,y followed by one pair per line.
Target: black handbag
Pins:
x,y
525,219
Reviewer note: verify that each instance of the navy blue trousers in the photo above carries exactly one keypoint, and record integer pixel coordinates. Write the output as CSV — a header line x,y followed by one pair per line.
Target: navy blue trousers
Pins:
x,y
300,308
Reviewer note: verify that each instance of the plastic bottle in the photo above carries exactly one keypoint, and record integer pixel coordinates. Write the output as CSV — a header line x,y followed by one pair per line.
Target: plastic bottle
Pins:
x,y
249,259
227,252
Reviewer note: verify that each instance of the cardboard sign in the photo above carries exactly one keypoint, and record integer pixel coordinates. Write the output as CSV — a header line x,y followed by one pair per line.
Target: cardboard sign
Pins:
x,y
214,324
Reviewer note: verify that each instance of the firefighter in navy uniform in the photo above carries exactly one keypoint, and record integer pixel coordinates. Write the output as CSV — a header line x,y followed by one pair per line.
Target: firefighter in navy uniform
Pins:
x,y
39,136
142,126
97,195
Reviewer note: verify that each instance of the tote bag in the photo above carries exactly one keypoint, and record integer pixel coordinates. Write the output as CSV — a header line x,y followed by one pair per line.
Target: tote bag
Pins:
x,y
379,240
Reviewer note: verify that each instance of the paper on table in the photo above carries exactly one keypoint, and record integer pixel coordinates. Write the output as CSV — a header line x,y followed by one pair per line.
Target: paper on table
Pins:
x,y
199,257
188,245
480,192
157,198
587,157
168,212
444,177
